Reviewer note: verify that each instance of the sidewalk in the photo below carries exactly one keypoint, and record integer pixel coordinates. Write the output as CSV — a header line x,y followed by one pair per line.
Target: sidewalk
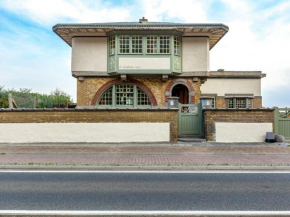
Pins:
x,y
160,156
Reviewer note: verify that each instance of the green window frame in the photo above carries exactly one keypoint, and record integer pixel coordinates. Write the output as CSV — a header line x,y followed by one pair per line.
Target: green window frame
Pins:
x,y
158,44
137,44
130,44
124,95
112,45
152,44
176,45
124,44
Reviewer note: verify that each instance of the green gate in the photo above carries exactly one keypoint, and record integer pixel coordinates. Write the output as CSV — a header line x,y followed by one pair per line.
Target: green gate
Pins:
x,y
190,119
282,122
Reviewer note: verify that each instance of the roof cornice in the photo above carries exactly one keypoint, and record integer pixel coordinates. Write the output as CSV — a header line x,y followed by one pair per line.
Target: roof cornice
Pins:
x,y
68,31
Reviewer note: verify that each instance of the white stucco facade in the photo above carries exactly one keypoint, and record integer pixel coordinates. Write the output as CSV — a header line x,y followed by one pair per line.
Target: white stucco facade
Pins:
x,y
224,86
242,132
195,54
144,63
89,54
84,132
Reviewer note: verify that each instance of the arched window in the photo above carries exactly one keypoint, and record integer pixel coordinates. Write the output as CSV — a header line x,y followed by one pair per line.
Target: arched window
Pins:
x,y
124,95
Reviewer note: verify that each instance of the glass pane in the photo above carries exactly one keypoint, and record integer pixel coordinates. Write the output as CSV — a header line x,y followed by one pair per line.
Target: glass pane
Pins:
x,y
106,98
164,44
112,45
124,44
250,104
231,103
142,98
124,94
240,103
152,44
136,44
176,45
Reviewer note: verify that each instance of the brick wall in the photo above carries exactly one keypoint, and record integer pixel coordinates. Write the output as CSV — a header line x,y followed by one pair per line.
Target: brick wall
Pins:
x,y
221,102
87,89
95,116
211,116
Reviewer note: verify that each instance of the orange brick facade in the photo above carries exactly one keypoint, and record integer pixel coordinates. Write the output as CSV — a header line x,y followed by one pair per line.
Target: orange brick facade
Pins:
x,y
89,90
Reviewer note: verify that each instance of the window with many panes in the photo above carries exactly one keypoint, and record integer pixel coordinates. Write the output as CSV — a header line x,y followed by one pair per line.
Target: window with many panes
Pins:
x,y
124,44
124,95
136,44
164,44
112,45
152,44
176,45
239,103
130,44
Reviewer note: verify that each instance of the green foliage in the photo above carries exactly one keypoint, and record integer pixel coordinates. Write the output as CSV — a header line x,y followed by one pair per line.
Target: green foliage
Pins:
x,y
24,98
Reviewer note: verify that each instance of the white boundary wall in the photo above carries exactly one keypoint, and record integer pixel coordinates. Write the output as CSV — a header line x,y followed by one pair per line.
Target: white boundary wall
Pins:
x,y
242,132
84,132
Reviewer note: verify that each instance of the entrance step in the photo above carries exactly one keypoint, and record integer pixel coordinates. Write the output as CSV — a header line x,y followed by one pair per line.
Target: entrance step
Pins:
x,y
190,138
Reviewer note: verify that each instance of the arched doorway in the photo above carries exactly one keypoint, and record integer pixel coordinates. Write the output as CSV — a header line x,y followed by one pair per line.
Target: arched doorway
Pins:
x,y
180,91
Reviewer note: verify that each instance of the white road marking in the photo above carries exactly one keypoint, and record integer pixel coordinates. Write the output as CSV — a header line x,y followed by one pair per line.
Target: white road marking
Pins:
x,y
155,171
153,213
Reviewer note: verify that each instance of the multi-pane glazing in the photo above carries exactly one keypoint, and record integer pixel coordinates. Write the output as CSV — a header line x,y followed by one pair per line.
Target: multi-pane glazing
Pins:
x,y
106,98
136,44
152,44
164,44
231,103
124,94
142,98
250,104
176,45
240,103
112,45
124,44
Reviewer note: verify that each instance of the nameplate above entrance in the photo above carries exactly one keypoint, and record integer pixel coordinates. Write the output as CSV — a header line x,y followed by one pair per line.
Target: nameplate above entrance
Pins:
x,y
144,63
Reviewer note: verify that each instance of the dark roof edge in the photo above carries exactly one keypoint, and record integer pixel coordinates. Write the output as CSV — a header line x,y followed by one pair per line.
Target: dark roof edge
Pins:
x,y
138,25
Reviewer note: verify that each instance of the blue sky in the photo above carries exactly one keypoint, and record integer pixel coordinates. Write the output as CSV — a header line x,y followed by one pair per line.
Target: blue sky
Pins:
x,y
32,56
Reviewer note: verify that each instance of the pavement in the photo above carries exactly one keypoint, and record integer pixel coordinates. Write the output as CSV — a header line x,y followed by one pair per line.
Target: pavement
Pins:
x,y
150,156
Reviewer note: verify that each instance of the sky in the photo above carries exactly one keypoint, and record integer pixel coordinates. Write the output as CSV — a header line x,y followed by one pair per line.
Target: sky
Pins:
x,y
33,56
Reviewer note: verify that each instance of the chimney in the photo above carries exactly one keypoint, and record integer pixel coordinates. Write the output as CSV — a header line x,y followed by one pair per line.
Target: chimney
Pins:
x,y
143,20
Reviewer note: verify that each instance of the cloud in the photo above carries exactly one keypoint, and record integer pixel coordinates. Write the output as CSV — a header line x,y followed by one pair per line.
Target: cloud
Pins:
x,y
189,11
51,12
258,38
257,41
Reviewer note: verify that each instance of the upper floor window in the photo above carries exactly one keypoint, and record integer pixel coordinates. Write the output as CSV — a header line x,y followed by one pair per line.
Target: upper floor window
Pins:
x,y
124,44
112,45
130,44
136,44
152,45
176,45
158,44
165,44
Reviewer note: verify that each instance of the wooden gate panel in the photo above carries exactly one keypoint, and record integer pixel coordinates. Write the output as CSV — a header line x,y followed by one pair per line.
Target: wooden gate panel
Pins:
x,y
190,119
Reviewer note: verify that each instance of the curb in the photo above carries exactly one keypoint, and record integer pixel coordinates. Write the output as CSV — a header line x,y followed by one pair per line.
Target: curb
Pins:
x,y
143,168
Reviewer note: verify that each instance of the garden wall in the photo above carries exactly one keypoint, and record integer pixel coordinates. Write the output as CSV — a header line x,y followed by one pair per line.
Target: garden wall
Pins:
x,y
238,125
88,125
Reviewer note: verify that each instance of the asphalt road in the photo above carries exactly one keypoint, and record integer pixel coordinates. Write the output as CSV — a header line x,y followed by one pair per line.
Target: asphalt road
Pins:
x,y
145,191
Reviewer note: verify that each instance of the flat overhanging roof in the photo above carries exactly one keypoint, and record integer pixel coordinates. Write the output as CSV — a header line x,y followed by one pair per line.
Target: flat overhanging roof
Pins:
x,y
215,31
